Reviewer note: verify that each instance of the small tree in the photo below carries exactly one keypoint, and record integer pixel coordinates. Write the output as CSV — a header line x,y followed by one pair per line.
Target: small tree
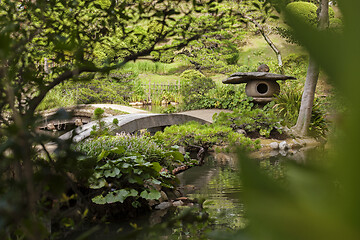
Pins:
x,y
302,125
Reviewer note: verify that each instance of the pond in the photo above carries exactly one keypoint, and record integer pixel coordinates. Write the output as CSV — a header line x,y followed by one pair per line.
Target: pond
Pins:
x,y
216,185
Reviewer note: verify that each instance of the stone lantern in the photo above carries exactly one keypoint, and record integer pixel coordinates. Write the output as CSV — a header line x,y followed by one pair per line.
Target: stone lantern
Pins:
x,y
261,85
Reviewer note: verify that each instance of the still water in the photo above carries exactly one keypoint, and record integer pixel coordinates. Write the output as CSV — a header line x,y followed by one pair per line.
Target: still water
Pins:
x,y
215,185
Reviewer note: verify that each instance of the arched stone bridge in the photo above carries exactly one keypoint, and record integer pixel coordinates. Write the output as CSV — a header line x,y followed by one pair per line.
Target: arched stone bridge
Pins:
x,y
131,123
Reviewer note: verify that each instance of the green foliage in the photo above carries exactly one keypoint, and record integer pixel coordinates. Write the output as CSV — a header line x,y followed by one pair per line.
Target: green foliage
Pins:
x,y
193,134
250,119
217,52
194,85
146,66
115,88
98,113
133,144
287,105
128,166
116,179
58,97
222,97
306,13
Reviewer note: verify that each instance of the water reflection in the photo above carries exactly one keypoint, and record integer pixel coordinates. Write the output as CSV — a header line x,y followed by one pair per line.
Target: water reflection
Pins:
x,y
218,183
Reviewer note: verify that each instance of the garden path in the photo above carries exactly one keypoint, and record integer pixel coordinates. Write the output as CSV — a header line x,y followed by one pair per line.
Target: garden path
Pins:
x,y
204,114
119,107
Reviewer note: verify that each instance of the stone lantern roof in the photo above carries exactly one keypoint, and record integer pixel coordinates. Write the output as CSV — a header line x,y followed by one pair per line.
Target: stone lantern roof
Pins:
x,y
241,77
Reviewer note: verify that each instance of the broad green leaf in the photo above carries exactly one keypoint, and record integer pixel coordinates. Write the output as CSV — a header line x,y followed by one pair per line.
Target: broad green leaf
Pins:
x,y
98,184
138,171
115,172
118,150
102,155
152,195
156,166
99,199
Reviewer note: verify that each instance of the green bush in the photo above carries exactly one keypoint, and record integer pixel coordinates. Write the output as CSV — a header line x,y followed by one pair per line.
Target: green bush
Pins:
x,y
194,85
287,105
306,12
117,88
250,119
127,168
194,134
132,143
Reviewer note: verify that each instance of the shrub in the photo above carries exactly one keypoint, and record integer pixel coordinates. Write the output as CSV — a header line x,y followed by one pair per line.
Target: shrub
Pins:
x,y
250,119
194,85
287,105
117,87
194,134
131,143
306,12
127,168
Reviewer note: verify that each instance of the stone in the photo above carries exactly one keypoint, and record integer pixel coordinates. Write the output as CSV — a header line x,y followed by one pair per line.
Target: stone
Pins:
x,y
163,197
241,131
50,126
178,193
178,203
295,144
274,145
163,205
283,152
241,77
283,145
182,150
78,122
152,202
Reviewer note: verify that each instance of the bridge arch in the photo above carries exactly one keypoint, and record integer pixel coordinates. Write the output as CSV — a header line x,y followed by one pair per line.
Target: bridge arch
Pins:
x,y
131,123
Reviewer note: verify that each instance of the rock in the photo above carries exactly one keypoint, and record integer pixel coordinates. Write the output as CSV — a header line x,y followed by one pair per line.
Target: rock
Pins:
x,y
178,203
283,152
163,205
182,150
241,131
273,153
295,144
152,202
178,193
274,145
163,197
283,146
241,77
50,126
78,122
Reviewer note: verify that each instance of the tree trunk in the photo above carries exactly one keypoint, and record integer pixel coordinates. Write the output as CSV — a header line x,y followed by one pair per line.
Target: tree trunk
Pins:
x,y
303,122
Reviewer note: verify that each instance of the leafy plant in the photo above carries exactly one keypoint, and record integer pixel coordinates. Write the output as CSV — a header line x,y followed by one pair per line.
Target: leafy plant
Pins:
x,y
250,119
130,176
128,166
287,105
193,85
194,135
141,144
